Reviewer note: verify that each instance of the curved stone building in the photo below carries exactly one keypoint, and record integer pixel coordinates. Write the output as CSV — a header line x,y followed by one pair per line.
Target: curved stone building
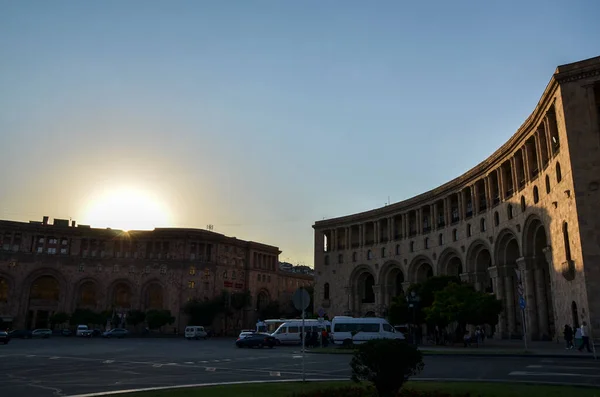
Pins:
x,y
529,211
48,268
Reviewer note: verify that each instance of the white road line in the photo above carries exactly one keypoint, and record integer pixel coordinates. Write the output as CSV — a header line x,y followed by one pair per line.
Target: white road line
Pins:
x,y
274,373
108,361
227,359
157,365
53,358
211,369
296,356
526,373
203,362
171,364
216,361
564,367
188,362
31,355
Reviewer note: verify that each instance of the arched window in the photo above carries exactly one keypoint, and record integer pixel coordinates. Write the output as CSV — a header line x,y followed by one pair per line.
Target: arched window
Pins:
x,y
536,195
412,246
523,205
566,241
383,252
441,239
547,184
369,254
225,275
482,225
354,255
326,291
258,278
496,218
468,230
397,249
509,211
558,173
326,260
454,235
341,258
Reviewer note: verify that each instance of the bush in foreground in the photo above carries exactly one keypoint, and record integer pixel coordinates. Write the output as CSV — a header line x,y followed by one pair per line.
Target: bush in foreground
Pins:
x,y
358,391
387,364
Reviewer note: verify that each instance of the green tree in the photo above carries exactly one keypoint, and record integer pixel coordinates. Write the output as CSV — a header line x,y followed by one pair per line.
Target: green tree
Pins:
x,y
387,363
158,318
462,304
426,292
271,310
58,318
202,313
135,317
398,312
239,302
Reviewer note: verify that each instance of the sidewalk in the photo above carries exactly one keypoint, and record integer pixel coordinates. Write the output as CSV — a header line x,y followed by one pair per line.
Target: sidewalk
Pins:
x,y
493,347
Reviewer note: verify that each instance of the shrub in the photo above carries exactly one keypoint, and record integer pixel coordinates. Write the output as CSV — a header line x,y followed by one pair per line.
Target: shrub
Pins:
x,y
428,393
346,391
387,364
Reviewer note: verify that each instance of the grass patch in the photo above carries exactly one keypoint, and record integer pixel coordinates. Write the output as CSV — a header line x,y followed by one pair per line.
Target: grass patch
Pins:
x,y
476,389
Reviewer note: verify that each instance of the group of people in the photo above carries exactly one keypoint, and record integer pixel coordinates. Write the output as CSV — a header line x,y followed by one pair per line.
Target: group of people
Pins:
x,y
316,338
574,333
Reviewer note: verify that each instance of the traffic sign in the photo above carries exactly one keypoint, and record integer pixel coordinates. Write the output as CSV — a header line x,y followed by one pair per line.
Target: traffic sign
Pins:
x,y
301,299
321,312
522,303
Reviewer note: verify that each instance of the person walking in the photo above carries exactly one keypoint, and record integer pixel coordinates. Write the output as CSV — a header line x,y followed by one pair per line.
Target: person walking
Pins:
x,y
585,337
568,335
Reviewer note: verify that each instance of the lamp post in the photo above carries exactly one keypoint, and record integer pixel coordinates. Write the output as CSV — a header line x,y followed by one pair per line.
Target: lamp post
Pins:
x,y
413,301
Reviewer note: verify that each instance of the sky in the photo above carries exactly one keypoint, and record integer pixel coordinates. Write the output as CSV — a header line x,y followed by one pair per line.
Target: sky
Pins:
x,y
262,117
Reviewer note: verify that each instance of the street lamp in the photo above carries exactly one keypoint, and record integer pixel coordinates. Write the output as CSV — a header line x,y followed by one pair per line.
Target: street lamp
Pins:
x,y
413,302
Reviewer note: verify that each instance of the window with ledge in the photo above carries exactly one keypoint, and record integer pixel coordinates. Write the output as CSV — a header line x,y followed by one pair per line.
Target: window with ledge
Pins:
x,y
454,235
192,270
496,218
558,173
369,254
383,252
468,230
567,241
482,225
455,216
326,291
523,205
547,184
354,257
441,239
397,249
340,258
536,195
426,242
509,211
412,246
191,284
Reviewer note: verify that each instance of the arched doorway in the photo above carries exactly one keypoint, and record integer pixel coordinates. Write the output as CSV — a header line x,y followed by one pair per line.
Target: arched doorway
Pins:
x,y
420,270
479,260
262,300
507,252
392,278
154,296
87,296
362,297
450,263
122,296
534,243
44,298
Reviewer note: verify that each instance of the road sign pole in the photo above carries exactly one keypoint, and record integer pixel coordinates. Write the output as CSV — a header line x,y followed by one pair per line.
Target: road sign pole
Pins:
x,y
303,344
524,330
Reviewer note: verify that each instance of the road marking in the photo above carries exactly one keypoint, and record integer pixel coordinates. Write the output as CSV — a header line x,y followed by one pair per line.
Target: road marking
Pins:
x,y
171,364
216,361
526,373
108,361
563,367
211,369
296,356
53,358
203,362
30,355
157,365
227,359
188,362
274,373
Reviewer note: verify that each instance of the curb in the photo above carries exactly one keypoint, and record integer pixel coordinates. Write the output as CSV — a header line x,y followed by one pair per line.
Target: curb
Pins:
x,y
459,354
199,385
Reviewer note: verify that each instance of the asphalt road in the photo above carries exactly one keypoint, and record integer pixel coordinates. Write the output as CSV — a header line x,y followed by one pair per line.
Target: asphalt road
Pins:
x,y
70,366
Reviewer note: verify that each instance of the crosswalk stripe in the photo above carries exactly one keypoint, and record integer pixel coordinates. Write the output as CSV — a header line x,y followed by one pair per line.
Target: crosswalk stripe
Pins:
x,y
564,367
527,373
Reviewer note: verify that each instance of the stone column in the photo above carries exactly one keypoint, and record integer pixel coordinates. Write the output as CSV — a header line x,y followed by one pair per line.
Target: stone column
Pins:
x,y
510,301
363,234
538,151
501,189
447,211
514,175
480,280
461,210
541,302
375,232
498,283
348,292
419,220
474,199
526,166
377,293
526,268
489,200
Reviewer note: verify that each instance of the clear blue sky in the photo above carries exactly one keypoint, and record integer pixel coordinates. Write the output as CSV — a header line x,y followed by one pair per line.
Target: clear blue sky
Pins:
x,y
261,117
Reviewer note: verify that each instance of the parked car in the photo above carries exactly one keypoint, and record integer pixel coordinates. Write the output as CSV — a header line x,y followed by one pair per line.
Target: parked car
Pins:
x,y
82,330
256,340
115,333
43,333
4,337
195,332
20,333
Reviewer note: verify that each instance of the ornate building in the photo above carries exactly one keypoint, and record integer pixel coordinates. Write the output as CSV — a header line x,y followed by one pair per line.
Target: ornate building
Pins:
x,y
529,212
47,268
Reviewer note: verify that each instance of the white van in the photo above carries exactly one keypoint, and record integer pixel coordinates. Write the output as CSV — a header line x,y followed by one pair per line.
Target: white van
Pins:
x,y
195,332
289,332
366,328
82,330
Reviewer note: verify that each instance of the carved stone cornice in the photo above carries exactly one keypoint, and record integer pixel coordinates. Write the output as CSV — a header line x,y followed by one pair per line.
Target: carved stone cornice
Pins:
x,y
567,77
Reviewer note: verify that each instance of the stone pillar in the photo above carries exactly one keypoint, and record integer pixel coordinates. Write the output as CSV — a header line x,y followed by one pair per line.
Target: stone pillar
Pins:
x,y
376,232
538,151
377,293
419,220
348,293
474,199
526,167
489,200
498,282
501,189
514,175
509,290
526,268
541,302
447,211
435,215
363,234
480,279
461,210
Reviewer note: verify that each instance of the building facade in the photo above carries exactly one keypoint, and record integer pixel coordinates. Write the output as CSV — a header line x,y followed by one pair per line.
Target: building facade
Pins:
x,y
48,268
529,211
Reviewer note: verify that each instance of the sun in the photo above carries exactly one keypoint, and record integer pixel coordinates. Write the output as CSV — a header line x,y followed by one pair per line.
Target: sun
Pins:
x,y
127,209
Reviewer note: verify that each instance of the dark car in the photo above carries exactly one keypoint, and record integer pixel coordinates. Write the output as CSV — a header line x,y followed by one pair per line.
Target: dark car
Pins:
x,y
115,333
256,340
20,333
4,337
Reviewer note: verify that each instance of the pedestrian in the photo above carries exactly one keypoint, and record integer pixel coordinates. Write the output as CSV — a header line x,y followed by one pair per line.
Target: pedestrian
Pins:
x,y
467,339
568,335
585,337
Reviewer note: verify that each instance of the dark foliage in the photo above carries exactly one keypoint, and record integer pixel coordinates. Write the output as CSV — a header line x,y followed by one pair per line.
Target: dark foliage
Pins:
x,y
358,391
387,364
